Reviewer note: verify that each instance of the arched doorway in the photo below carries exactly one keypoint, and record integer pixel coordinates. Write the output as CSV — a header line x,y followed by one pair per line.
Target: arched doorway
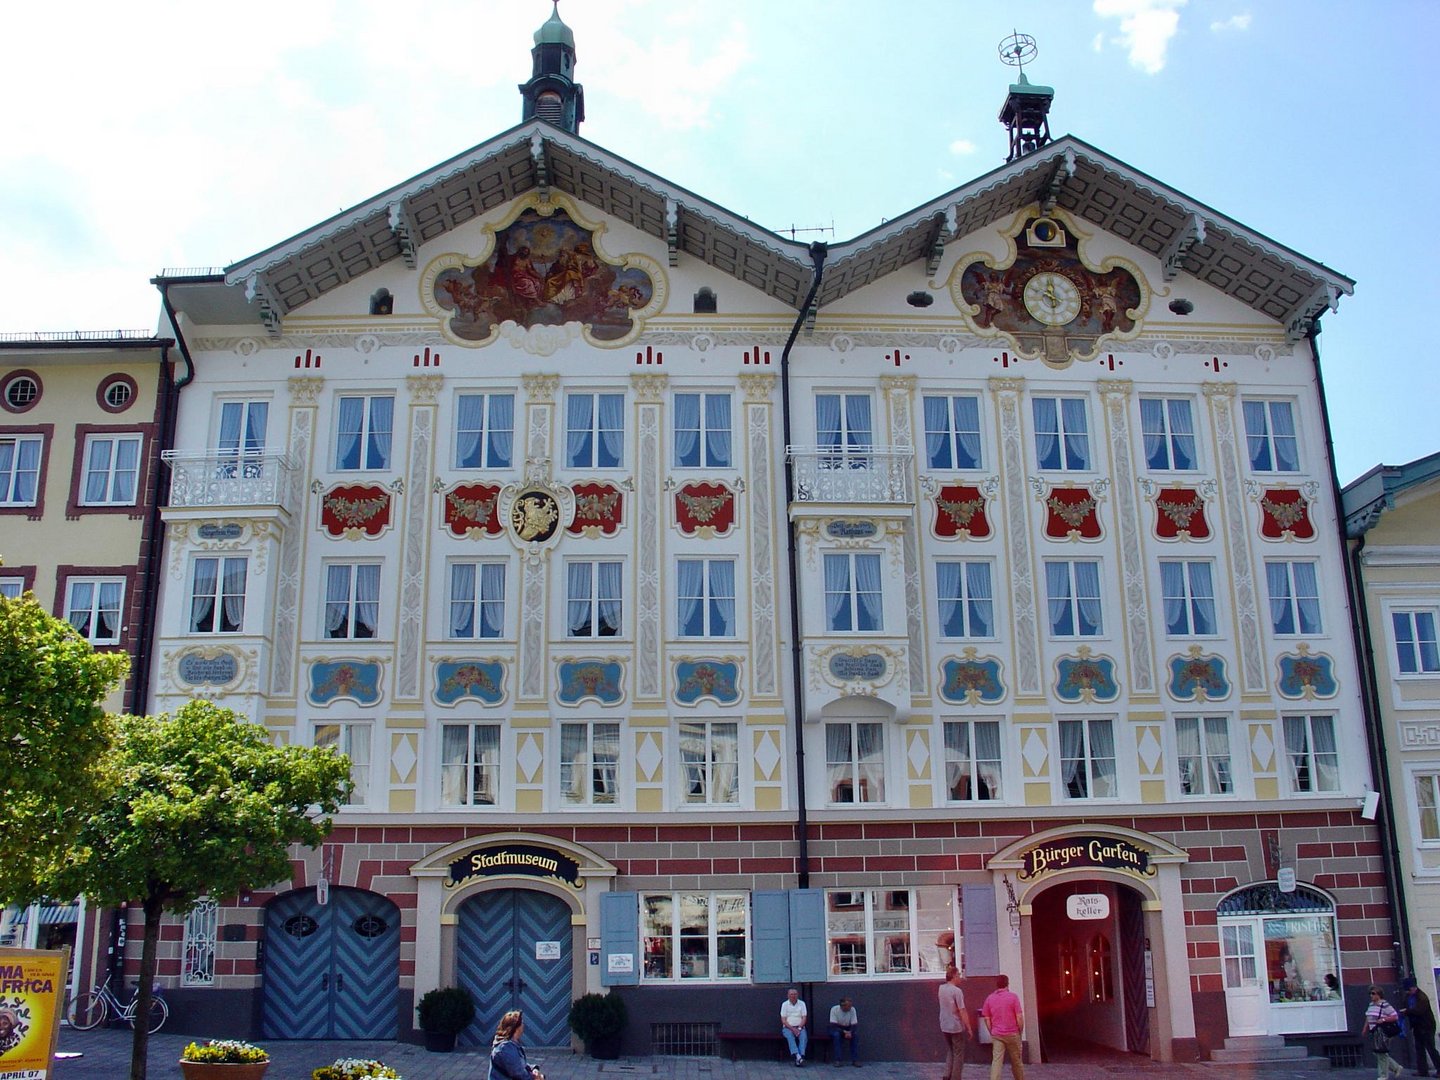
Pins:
x,y
332,971
1088,961
514,951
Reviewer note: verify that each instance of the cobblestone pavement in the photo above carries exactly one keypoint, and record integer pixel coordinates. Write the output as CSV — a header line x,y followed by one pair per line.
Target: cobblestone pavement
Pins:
x,y
106,1056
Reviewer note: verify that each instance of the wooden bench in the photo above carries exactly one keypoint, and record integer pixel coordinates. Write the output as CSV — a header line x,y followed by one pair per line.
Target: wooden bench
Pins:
x,y
731,1040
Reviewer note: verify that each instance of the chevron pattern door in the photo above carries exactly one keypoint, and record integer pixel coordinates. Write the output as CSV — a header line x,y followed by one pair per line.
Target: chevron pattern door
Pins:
x,y
1132,972
331,972
500,959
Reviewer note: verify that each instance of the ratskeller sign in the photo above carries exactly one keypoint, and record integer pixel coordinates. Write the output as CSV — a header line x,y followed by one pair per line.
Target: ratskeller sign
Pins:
x,y
508,860
1071,852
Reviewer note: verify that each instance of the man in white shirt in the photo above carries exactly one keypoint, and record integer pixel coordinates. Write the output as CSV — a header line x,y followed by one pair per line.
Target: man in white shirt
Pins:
x,y
845,1031
793,1017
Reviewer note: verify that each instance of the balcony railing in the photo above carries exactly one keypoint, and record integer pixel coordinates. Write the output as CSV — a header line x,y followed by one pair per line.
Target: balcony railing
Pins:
x,y
849,475
218,478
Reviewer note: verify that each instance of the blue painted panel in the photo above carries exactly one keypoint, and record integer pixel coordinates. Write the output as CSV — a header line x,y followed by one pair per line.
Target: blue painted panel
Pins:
x,y
809,958
484,961
296,987
770,922
979,936
544,985
366,983
619,936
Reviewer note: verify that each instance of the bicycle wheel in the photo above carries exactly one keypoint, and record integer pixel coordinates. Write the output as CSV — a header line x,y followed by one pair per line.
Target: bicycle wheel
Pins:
x,y
87,1011
159,1013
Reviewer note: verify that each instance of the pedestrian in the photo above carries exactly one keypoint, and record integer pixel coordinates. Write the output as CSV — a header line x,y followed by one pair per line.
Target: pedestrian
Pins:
x,y
507,1056
1005,1014
844,1028
793,1017
955,1023
1418,1012
1382,1023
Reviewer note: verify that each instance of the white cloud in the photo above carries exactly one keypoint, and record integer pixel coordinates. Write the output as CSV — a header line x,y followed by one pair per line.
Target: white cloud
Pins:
x,y
1098,45
1146,27
962,146
1235,22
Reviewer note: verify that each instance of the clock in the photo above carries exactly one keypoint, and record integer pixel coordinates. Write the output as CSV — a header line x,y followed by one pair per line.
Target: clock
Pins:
x,y
1051,298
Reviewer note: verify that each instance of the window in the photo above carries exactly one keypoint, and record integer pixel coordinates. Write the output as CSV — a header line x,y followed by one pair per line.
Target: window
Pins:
x,y
12,588
972,760
594,607
1073,590
21,391
952,432
469,764
1294,597
217,596
706,596
852,593
709,763
352,740
1415,642
1428,805
19,469
363,436
589,764
695,935
1314,758
1203,750
1069,966
844,431
1237,947
352,600
117,392
198,966
92,607
1189,598
702,431
888,931
855,762
595,431
1270,436
1102,982
1087,759
242,438
1062,433
1169,432
112,469
477,599
966,602
1296,930
484,431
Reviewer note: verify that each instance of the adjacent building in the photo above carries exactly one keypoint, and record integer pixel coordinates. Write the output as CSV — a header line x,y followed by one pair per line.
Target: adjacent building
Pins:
x,y
704,612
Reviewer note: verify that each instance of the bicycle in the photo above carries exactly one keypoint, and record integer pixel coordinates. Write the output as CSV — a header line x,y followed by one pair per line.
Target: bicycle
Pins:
x,y
93,1009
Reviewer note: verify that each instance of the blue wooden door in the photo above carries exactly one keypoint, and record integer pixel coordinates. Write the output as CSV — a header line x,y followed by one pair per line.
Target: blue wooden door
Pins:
x,y
513,951
331,972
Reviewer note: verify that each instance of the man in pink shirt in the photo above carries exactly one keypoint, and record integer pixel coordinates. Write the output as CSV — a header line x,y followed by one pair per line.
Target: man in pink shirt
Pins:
x,y
1006,1016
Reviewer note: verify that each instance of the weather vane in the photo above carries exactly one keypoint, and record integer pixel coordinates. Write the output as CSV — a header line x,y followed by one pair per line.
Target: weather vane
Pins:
x,y
1017,50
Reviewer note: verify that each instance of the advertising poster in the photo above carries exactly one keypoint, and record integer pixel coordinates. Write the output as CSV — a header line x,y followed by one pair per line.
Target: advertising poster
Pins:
x,y
32,992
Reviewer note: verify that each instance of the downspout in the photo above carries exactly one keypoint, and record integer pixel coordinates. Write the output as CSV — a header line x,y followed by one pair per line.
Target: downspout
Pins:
x,y
1363,643
818,251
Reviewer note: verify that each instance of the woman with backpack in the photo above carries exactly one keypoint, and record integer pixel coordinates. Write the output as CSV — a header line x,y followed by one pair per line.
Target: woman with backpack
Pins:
x,y
1382,1023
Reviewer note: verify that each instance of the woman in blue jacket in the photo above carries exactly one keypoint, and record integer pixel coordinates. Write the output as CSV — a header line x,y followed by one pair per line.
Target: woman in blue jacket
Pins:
x,y
507,1056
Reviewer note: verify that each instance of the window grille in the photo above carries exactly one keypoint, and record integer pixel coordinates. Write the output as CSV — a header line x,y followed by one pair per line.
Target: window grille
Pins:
x,y
684,1039
200,924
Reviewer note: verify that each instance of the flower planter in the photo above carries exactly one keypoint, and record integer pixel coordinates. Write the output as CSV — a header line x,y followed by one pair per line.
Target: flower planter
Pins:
x,y
211,1070
440,1042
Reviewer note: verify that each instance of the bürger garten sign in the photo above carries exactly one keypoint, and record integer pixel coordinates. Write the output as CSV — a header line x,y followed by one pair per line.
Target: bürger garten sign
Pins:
x,y
1072,852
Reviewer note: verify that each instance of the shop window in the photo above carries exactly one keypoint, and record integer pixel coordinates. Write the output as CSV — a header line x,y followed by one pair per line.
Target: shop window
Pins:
x,y
1298,934
883,932
694,936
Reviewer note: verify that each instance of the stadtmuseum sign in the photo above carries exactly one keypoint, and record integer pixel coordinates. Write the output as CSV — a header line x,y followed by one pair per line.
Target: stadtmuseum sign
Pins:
x,y
1078,852
509,860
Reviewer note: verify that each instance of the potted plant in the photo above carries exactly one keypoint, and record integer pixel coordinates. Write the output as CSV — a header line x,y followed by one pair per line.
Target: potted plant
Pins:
x,y
599,1019
355,1069
223,1059
444,1013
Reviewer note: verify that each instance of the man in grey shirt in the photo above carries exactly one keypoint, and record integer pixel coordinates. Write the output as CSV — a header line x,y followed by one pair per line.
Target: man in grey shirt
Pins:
x,y
955,1023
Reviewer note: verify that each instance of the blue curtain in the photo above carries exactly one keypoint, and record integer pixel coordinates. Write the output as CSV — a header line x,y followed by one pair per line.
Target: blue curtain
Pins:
x,y
722,598
502,429
867,589
982,606
611,453
952,610
837,592
492,599
687,430
1182,434
382,412
689,589
347,440
1077,436
469,426
577,618
579,436
462,600
937,433
609,605
1087,597
1047,432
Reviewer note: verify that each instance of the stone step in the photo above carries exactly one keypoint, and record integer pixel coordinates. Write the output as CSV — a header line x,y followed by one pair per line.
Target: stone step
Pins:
x,y
1259,1054
1289,1065
1240,1042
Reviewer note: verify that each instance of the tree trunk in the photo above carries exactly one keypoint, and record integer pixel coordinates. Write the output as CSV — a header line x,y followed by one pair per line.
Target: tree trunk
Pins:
x,y
140,1047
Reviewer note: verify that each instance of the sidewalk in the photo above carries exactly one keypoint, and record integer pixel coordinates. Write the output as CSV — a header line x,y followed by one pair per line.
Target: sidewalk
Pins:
x,y
106,1056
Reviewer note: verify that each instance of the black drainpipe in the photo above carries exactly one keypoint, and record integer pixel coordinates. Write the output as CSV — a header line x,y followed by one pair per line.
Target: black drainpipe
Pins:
x,y
818,251
1363,643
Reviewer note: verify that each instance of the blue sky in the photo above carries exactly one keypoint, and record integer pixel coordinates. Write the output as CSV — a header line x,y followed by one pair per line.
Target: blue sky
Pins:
x,y
158,133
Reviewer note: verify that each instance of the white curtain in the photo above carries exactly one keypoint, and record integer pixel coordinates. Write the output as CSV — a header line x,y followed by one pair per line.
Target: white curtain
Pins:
x,y
693,762
1172,587
958,763
454,750
839,763
609,600
605,762
577,617
234,593
967,432
107,617
1057,589
1283,428
97,476
1187,744
502,430
987,759
127,470
687,430
870,746
1256,435
1297,746
837,592
1087,597
487,761
492,599
347,440
1047,432
1327,760
573,783
1152,424
717,430
827,426
1307,597
21,460
579,431
612,430
689,589
359,751
367,600
722,598
947,584
1182,434
469,425
382,411
337,601
1102,758
1202,594
859,434
82,604
1217,754
1277,581
937,433
462,600
867,587
1072,758
1077,436
982,607
231,415
202,596
725,762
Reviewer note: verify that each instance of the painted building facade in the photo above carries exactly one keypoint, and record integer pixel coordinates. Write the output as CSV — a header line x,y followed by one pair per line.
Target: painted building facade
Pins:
x,y
1391,516
704,613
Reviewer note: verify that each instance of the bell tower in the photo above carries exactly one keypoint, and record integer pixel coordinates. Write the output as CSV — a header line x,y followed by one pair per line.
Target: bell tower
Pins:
x,y
1027,107
552,94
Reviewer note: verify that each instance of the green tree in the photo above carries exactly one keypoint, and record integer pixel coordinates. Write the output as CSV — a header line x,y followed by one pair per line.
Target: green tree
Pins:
x,y
53,736
201,804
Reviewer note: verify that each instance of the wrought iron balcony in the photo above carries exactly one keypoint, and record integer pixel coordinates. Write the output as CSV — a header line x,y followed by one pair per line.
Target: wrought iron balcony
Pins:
x,y
828,474
218,478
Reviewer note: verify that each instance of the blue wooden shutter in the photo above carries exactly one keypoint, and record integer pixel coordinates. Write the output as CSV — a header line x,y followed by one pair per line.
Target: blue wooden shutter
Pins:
x,y
809,960
620,934
770,924
979,936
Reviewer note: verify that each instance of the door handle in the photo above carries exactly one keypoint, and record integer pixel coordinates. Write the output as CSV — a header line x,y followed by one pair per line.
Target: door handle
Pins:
x,y
325,981
340,981
520,986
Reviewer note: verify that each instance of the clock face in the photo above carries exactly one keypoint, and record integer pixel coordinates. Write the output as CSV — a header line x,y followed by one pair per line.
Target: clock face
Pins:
x,y
1052,298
